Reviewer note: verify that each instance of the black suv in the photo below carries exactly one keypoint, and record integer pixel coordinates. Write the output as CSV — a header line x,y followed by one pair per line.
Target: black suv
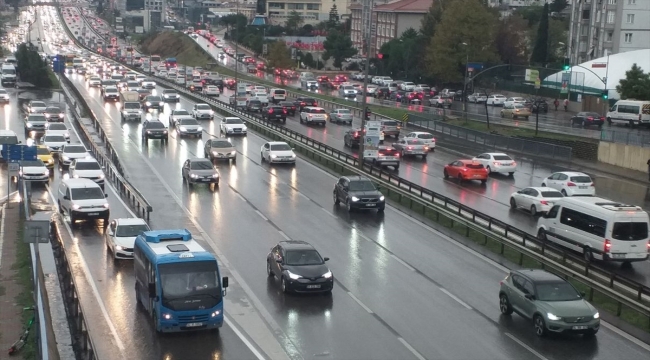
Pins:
x,y
537,105
289,106
299,267
398,95
382,93
154,129
351,138
254,105
275,113
302,102
153,102
358,192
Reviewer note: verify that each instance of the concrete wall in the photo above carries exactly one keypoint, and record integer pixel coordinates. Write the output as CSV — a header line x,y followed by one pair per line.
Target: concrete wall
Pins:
x,y
626,156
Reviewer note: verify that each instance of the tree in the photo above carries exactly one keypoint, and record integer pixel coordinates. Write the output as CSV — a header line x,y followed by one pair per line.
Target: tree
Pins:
x,y
432,18
100,7
636,84
279,57
32,68
511,41
446,55
294,20
338,46
558,5
404,55
557,33
334,14
540,51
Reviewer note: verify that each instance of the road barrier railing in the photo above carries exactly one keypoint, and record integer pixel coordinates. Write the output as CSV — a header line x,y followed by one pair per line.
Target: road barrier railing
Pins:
x,y
624,292
108,159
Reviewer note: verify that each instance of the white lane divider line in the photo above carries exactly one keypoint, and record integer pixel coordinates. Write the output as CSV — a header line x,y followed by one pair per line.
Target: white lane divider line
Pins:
x,y
360,303
261,215
411,349
303,195
526,346
456,298
2,232
402,262
241,197
328,213
88,275
243,338
284,235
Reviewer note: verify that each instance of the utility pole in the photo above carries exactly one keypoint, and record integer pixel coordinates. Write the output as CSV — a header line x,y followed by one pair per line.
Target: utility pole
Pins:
x,y
236,50
366,22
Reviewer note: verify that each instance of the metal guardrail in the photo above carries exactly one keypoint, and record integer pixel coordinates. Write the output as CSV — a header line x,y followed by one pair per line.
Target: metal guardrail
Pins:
x,y
627,138
82,342
571,264
109,160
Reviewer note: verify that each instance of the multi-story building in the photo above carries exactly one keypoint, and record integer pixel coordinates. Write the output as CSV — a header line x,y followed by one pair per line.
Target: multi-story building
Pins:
x,y
604,27
389,21
311,11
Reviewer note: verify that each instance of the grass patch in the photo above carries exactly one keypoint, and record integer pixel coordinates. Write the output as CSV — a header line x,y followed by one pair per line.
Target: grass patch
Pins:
x,y
178,45
23,266
55,81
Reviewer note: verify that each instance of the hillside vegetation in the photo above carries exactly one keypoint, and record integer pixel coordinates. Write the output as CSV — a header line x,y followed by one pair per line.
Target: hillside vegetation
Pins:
x,y
178,45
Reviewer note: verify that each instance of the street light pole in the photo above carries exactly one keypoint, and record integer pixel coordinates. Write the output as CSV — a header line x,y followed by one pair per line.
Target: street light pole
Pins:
x,y
465,82
368,6
236,50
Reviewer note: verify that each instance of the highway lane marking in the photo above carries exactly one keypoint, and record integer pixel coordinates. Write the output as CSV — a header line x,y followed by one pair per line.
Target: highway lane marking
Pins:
x,y
532,351
261,215
284,235
91,282
329,213
241,197
625,335
2,232
456,298
243,338
411,349
360,303
402,262
301,194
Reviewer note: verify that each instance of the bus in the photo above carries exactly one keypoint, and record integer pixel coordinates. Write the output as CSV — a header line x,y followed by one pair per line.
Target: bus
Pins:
x,y
178,282
170,63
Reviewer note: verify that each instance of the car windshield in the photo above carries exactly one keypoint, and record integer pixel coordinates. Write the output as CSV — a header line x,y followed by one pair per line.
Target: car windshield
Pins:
x,y
74,149
414,142
130,105
552,194
52,109
32,163
280,147
38,104
54,138
583,179
303,257
36,117
42,151
188,122
390,123
556,291
130,230
630,231
221,144
363,185
56,126
518,106
502,157
201,165
132,84
153,98
203,107
317,111
87,165
87,193
234,121
190,285
425,136
181,112
155,125
169,92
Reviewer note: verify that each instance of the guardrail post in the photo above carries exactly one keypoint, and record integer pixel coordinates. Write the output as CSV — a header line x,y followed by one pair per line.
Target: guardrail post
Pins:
x,y
619,309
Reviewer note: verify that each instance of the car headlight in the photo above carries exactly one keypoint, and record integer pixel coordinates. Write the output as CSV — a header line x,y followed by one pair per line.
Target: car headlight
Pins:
x,y
193,176
118,247
199,129
76,207
215,175
75,176
183,128
66,157
244,128
148,103
67,135
161,103
165,132
382,198
233,152
50,160
29,124
327,275
215,314
167,316
61,115
106,205
354,198
553,317
597,315
293,156
101,176
273,156
293,276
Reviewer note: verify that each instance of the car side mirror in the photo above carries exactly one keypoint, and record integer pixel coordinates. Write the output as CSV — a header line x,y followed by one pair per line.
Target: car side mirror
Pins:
x,y
20,142
66,197
326,259
583,294
224,282
152,290
519,192
105,195
530,297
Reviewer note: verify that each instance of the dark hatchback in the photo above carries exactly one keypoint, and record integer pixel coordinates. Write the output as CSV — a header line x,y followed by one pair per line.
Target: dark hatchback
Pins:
x,y
277,113
299,267
153,102
302,102
154,129
289,106
358,193
254,105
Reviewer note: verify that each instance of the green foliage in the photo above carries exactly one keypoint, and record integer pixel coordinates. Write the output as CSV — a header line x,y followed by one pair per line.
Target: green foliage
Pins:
x,y
558,5
636,84
511,42
293,21
32,68
404,55
338,46
279,57
540,51
446,55
432,18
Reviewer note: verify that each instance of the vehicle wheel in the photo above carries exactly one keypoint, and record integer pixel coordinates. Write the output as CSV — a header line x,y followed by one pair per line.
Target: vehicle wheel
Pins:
x,y
504,305
511,174
285,289
72,220
483,182
587,255
541,235
609,121
424,157
348,205
336,198
564,193
445,174
396,167
513,203
533,210
234,160
591,333
401,154
502,115
60,208
540,326
488,169
582,123
269,272
381,209
543,185
262,157
460,179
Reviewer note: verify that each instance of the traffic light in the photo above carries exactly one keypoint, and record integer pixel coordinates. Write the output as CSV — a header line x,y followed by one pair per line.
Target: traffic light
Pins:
x,y
380,56
368,113
605,94
567,64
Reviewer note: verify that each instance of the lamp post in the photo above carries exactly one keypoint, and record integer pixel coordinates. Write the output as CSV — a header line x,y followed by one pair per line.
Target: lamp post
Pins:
x,y
368,36
236,50
465,80
568,85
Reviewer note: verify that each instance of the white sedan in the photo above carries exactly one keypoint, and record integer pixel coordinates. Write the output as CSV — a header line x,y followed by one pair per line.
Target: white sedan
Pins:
x,y
178,115
202,111
535,199
278,152
497,163
514,100
120,236
496,100
53,128
425,137
232,126
211,90
571,183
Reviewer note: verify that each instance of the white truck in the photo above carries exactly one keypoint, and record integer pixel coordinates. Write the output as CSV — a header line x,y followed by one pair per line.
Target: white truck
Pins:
x,y
240,99
131,107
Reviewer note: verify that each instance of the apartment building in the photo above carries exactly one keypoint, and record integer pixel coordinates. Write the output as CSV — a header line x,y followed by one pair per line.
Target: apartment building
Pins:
x,y
311,11
389,21
604,27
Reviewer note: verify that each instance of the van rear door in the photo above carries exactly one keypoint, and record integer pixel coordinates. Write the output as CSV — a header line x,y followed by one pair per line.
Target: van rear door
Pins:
x,y
629,237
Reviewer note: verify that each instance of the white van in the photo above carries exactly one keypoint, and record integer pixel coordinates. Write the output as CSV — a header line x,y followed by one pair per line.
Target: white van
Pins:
x,y
306,75
7,137
277,95
598,228
8,74
82,199
633,112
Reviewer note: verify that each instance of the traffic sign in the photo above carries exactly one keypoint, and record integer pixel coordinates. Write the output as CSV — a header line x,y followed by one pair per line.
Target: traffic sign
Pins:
x,y
14,167
17,153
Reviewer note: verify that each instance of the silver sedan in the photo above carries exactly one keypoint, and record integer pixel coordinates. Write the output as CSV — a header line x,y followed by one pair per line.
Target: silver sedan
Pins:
x,y
411,147
341,116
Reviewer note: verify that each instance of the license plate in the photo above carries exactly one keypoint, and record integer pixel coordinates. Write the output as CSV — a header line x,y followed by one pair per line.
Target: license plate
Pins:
x,y
93,214
477,176
194,324
582,187
207,179
579,327
313,286
370,205
618,256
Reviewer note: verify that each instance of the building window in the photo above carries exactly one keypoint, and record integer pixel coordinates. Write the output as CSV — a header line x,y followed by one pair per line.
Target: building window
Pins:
x,y
631,2
313,6
276,5
609,35
628,37
612,2
611,15
585,14
295,6
584,30
630,18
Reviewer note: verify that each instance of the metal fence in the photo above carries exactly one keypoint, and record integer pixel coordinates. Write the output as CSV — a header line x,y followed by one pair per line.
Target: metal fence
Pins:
x,y
626,137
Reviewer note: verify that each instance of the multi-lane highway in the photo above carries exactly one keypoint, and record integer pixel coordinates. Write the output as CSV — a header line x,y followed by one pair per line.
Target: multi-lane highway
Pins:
x,y
402,289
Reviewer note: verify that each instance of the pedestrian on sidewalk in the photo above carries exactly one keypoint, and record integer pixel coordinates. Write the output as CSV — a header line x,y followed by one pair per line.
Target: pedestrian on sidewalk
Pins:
x,y
566,104
556,103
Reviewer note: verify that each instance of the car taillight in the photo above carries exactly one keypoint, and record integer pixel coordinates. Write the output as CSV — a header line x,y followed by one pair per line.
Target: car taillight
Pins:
x,y
543,202
570,184
591,118
496,163
514,163
284,111
302,104
270,111
409,147
293,108
608,246
602,118
649,246
592,184
356,134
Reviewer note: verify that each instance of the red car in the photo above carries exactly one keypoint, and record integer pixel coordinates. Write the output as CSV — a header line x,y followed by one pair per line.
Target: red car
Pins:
x,y
466,170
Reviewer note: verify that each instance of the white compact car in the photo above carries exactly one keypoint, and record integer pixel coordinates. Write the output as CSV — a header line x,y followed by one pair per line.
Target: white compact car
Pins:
x,y
71,152
34,171
53,128
347,91
202,111
54,142
120,236
148,84
425,137
87,169
496,100
571,183
497,163
232,126
95,81
514,100
535,199
278,152
82,199
178,115
211,90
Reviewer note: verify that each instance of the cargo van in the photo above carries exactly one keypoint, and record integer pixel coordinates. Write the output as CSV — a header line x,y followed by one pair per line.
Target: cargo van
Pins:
x,y
632,112
598,228
277,95
8,74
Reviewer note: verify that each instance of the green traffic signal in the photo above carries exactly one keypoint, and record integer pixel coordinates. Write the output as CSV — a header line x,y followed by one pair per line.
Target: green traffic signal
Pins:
x,y
605,94
566,67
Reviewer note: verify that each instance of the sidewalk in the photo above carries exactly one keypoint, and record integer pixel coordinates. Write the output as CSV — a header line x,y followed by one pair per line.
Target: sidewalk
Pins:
x,y
13,295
